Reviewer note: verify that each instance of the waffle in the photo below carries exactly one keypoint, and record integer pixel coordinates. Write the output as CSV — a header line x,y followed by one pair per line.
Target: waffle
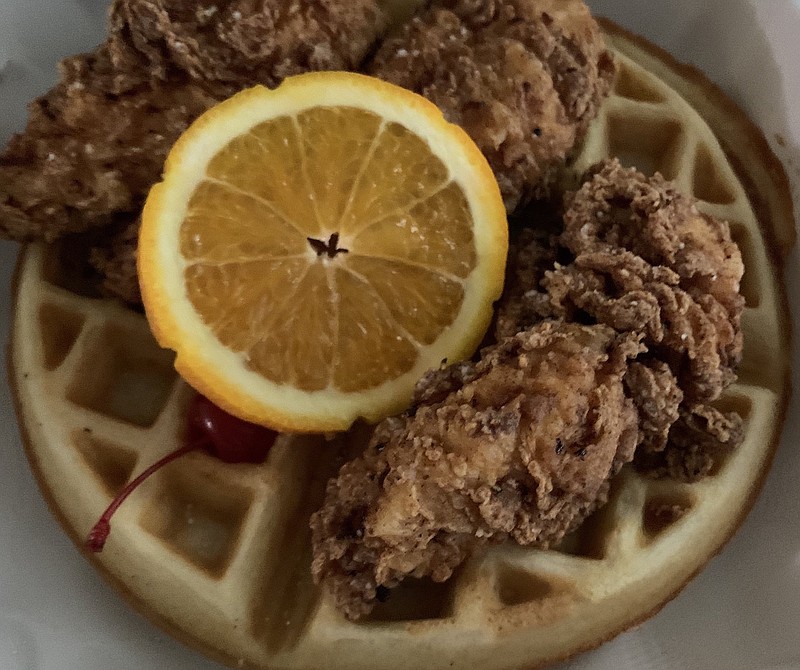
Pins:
x,y
219,554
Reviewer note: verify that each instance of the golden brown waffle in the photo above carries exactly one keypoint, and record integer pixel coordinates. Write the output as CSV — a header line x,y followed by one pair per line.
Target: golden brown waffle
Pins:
x,y
219,554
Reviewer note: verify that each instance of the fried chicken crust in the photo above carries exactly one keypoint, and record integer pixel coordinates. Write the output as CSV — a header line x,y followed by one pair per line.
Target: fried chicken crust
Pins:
x,y
697,439
92,148
532,252
115,259
238,43
96,143
644,260
519,445
523,77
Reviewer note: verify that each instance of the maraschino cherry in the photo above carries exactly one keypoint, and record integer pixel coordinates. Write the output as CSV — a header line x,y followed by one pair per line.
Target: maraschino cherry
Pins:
x,y
228,438
209,428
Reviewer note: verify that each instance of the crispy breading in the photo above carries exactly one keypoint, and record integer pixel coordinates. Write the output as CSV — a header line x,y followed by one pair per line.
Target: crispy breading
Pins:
x,y
523,77
532,251
647,260
93,147
700,437
519,445
115,259
239,43
658,397
644,260
96,143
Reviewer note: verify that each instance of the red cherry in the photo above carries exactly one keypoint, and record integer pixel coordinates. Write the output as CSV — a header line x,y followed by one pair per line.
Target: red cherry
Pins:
x,y
231,440
209,427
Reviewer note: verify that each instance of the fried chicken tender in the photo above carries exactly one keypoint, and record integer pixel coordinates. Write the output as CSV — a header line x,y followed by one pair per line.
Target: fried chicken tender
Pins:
x,y
532,252
115,259
93,147
646,261
96,143
239,43
524,78
519,445
658,398
697,439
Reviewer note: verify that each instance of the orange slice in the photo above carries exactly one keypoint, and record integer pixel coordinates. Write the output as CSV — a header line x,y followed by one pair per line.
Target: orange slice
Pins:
x,y
314,249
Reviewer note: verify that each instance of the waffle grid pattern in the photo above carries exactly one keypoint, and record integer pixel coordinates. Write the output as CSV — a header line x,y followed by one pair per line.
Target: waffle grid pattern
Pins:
x,y
219,554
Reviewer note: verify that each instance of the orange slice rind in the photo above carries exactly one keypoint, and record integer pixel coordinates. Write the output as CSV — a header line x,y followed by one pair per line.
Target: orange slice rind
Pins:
x,y
312,250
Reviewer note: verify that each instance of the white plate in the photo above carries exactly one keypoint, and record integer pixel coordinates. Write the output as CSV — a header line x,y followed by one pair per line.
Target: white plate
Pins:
x,y
741,613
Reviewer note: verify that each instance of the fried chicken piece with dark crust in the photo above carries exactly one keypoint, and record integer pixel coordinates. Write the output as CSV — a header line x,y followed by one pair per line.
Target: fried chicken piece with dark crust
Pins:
x,y
519,445
698,438
645,260
524,78
658,397
96,143
115,260
532,251
93,147
239,43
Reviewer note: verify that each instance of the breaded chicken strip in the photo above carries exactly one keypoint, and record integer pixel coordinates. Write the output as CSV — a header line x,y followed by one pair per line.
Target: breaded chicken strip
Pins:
x,y
644,260
523,77
520,445
96,143
93,147
115,259
533,250
239,43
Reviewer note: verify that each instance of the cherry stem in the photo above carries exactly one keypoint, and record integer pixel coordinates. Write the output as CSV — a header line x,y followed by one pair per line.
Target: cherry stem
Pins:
x,y
97,537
